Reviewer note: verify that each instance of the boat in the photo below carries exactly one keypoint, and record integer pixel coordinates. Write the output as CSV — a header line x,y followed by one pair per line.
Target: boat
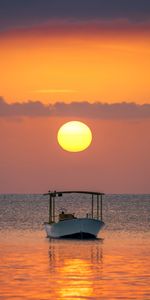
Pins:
x,y
70,226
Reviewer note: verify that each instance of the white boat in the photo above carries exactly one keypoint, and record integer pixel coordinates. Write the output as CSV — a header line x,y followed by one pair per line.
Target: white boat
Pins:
x,y
69,226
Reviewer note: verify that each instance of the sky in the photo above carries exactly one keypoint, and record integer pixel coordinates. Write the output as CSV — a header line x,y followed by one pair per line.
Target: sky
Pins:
x,y
75,60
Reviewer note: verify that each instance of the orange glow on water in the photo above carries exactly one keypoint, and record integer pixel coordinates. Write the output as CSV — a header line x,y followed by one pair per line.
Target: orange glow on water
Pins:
x,y
77,270
36,268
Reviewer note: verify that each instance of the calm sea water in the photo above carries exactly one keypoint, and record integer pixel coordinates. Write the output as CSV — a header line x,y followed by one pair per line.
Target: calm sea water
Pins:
x,y
115,266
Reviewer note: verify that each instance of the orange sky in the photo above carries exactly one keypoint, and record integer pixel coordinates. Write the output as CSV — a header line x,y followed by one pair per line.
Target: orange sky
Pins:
x,y
75,64
108,67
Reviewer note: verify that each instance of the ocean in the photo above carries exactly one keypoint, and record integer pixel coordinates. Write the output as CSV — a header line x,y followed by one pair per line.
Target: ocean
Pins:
x,y
114,266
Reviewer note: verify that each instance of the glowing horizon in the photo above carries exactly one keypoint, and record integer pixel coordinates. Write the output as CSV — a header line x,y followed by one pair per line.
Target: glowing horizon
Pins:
x,y
106,65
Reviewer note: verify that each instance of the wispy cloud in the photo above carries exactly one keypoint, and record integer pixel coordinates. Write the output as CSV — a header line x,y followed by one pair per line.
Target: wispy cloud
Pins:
x,y
55,91
96,110
82,27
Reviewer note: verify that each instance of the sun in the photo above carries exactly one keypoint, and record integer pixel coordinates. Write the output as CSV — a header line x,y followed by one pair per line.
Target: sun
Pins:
x,y
74,136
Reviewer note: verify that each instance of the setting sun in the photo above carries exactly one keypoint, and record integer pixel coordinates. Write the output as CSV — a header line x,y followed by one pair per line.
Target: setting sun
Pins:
x,y
74,136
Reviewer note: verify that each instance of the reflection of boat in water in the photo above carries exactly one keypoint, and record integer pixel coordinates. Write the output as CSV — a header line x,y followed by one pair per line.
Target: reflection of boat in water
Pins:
x,y
90,251
69,226
76,268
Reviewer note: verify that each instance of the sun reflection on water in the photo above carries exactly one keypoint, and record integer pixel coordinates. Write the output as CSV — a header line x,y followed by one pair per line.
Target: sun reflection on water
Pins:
x,y
75,276
33,267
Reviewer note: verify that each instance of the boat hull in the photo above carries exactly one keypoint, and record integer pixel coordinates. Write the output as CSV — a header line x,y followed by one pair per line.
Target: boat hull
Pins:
x,y
75,228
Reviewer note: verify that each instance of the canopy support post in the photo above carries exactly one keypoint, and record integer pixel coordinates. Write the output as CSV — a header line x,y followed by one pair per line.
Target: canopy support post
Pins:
x,y
101,208
92,204
50,208
53,208
97,207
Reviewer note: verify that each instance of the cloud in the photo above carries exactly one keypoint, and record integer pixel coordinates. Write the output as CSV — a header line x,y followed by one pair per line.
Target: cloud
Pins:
x,y
96,110
102,110
63,27
29,109
19,13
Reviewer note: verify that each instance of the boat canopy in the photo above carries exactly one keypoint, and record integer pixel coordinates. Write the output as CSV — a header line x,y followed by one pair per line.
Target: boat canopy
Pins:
x,y
52,196
60,193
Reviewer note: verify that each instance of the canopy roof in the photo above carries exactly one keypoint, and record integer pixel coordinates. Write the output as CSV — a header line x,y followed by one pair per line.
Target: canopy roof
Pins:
x,y
60,193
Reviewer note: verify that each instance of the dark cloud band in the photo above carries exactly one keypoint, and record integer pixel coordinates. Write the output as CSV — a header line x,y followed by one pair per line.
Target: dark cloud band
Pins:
x,y
19,13
75,109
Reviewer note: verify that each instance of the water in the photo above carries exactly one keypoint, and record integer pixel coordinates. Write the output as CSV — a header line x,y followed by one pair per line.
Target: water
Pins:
x,y
115,266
